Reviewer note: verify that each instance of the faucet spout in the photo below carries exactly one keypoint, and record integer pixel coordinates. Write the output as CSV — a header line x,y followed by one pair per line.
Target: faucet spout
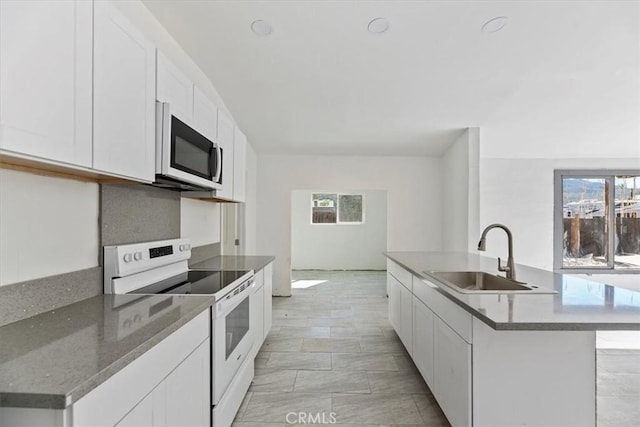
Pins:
x,y
510,268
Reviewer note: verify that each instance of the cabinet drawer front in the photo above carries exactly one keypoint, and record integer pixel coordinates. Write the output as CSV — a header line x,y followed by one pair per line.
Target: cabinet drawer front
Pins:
x,y
452,314
403,276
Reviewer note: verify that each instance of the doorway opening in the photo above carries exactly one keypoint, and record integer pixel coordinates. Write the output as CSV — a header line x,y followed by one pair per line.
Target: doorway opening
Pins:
x,y
336,231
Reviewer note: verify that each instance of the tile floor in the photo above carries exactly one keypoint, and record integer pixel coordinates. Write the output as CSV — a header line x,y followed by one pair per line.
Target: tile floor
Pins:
x,y
333,355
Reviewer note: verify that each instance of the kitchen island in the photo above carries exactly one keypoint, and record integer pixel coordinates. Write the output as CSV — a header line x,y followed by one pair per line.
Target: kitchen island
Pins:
x,y
505,358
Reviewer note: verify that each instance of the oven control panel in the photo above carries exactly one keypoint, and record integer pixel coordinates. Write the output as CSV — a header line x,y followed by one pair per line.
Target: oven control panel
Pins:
x,y
126,260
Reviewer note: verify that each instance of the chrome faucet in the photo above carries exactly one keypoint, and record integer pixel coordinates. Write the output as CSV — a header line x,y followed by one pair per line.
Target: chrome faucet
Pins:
x,y
510,268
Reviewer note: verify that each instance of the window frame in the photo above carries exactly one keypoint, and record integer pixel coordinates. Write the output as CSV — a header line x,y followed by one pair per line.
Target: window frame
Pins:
x,y
558,224
338,222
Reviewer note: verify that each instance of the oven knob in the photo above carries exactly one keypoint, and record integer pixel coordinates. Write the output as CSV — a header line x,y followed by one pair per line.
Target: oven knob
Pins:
x,y
137,256
137,318
182,248
127,324
128,257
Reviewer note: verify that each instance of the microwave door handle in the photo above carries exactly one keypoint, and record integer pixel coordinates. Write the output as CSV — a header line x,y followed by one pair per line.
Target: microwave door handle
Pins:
x,y
213,162
218,163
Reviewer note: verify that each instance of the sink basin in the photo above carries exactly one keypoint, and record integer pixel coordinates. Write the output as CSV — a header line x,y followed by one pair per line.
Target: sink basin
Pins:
x,y
468,282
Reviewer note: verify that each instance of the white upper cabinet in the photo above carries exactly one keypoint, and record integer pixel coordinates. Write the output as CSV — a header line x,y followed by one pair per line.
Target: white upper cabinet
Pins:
x,y
124,97
174,87
205,114
225,139
239,166
45,79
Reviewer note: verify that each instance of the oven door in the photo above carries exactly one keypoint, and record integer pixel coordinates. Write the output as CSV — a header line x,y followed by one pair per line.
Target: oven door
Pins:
x,y
232,341
187,155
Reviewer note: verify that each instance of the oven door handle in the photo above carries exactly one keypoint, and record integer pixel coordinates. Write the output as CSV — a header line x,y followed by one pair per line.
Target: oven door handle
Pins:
x,y
222,309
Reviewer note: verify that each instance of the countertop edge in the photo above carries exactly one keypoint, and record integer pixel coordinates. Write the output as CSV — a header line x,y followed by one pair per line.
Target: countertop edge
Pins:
x,y
218,262
63,401
521,326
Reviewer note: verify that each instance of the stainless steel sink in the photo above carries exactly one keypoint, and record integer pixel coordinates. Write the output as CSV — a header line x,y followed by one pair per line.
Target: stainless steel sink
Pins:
x,y
469,282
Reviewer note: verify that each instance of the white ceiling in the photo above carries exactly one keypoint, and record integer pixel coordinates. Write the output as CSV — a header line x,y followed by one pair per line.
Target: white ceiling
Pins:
x,y
321,84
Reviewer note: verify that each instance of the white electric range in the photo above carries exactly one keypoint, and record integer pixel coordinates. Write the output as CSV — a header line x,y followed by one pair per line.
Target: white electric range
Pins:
x,y
161,267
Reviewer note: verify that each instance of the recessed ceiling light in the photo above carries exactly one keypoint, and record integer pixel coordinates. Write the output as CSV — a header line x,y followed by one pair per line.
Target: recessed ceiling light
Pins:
x,y
261,28
494,24
378,26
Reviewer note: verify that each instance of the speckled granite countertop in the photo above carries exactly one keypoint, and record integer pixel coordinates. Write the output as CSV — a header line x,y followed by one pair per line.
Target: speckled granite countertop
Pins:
x,y
53,359
579,304
232,263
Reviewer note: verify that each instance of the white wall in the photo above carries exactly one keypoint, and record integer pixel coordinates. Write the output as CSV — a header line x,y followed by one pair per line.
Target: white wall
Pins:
x,y
339,246
47,226
413,184
518,192
460,187
199,221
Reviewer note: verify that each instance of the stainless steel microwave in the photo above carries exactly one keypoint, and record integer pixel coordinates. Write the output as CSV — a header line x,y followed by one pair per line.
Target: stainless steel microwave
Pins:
x,y
185,159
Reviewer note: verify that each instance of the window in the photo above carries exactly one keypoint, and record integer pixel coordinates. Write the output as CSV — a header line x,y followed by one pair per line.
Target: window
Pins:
x,y
597,221
337,208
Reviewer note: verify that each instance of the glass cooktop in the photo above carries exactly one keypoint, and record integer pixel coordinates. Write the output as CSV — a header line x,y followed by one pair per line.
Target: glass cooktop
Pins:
x,y
193,282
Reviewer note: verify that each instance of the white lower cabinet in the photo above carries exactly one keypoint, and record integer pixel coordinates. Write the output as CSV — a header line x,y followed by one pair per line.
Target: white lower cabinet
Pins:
x,y
187,391
268,300
393,290
406,318
452,374
166,386
257,313
423,328
261,306
400,309
141,415
182,399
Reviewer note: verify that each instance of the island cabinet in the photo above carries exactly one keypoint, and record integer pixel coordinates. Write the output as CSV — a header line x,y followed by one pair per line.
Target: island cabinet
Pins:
x,y
481,376
399,287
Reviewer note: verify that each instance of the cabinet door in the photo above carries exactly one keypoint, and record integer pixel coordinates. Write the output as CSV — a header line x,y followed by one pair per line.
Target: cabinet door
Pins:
x,y
187,390
406,318
205,114
239,166
175,88
225,139
268,301
423,340
140,416
124,101
257,319
45,79
393,288
452,374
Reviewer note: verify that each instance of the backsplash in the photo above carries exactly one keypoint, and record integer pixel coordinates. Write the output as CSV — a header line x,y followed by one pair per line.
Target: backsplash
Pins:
x,y
21,300
128,213
131,213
